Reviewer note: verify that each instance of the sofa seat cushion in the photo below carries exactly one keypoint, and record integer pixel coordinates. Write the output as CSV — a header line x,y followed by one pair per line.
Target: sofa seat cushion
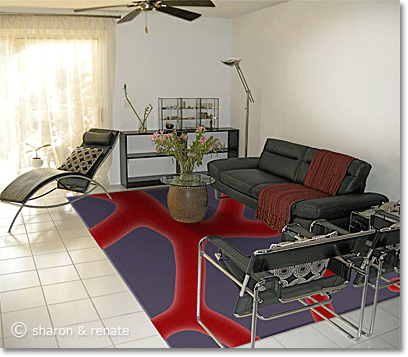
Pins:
x,y
246,179
257,189
337,206
311,209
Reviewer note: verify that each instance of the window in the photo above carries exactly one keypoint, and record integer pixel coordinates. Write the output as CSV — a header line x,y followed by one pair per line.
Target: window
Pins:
x,y
54,77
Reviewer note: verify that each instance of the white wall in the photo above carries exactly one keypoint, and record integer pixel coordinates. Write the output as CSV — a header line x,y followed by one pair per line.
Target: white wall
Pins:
x,y
324,74
176,59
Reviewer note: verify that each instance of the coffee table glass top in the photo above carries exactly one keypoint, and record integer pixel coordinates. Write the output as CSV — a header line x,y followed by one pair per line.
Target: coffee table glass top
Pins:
x,y
196,181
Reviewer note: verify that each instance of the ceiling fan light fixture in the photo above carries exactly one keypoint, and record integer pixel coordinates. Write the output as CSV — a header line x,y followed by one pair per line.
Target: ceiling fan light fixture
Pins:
x,y
164,6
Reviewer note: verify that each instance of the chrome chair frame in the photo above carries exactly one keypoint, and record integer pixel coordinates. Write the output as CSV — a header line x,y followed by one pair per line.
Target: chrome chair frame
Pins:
x,y
361,264
254,293
377,262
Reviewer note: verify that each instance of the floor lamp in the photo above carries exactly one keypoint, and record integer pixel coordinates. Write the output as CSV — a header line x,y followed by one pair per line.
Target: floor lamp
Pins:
x,y
235,62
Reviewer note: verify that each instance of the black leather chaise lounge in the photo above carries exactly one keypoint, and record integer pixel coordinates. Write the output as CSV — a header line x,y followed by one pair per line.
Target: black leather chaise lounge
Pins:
x,y
283,162
76,174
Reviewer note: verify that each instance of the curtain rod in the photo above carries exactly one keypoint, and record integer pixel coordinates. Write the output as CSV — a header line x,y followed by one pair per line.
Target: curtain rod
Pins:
x,y
82,15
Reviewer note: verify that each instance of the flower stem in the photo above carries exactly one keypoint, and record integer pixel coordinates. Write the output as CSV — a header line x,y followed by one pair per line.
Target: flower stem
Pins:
x,y
126,96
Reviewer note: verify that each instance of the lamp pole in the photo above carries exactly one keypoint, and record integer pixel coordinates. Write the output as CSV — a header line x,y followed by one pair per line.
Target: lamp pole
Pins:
x,y
235,62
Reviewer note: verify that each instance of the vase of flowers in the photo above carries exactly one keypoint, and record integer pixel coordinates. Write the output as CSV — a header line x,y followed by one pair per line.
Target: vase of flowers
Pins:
x,y
186,170
176,145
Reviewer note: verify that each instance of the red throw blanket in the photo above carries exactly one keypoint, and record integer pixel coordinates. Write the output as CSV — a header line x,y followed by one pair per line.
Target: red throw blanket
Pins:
x,y
323,179
327,171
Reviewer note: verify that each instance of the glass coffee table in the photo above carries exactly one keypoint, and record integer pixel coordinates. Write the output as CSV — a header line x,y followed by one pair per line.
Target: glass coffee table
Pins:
x,y
187,200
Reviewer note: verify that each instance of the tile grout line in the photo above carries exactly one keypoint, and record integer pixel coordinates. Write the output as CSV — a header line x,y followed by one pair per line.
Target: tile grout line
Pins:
x,y
36,270
38,255
41,285
329,336
140,339
379,306
366,338
113,344
84,286
42,289
398,328
91,297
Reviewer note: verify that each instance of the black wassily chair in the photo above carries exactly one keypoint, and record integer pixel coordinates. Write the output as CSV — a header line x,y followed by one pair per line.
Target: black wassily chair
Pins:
x,y
379,256
76,174
286,272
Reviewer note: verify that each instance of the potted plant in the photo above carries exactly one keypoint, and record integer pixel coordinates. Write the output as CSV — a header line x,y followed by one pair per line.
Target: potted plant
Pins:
x,y
36,161
187,156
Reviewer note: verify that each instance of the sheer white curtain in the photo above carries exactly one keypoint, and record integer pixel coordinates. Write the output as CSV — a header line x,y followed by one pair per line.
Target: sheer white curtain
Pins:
x,y
57,81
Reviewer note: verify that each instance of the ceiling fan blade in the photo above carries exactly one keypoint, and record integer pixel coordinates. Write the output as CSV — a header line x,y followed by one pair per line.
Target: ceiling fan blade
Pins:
x,y
183,14
101,7
188,3
130,16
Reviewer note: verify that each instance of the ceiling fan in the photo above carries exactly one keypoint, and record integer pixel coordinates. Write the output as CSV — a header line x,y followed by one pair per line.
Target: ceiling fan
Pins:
x,y
166,7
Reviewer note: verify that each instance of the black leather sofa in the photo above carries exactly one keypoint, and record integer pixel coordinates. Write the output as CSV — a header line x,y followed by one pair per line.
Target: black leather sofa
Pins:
x,y
284,162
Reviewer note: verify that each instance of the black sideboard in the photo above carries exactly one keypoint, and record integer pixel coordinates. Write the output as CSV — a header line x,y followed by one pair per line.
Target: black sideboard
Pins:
x,y
127,157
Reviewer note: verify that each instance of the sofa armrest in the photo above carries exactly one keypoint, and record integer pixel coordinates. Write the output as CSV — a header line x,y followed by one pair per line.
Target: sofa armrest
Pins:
x,y
215,167
337,206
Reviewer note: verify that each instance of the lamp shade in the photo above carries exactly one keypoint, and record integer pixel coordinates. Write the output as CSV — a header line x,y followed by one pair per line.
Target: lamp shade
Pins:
x,y
231,61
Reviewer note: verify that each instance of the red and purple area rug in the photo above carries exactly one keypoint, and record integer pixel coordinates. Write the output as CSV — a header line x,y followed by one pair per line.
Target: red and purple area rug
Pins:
x,y
157,257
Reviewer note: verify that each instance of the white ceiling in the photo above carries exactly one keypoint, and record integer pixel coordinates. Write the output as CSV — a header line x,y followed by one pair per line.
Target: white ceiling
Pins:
x,y
223,8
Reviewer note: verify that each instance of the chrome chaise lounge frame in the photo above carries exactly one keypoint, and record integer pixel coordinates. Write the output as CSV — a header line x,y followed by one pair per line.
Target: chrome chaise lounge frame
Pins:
x,y
20,192
252,274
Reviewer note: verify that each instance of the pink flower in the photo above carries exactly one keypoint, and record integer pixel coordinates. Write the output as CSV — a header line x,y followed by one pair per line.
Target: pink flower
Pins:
x,y
201,128
191,154
155,136
202,140
211,148
184,137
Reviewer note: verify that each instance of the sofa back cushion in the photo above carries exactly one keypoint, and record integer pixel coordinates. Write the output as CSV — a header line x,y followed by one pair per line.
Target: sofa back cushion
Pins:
x,y
291,161
353,182
356,177
282,158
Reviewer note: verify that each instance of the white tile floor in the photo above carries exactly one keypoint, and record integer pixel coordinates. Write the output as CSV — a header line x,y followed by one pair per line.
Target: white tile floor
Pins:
x,y
56,280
